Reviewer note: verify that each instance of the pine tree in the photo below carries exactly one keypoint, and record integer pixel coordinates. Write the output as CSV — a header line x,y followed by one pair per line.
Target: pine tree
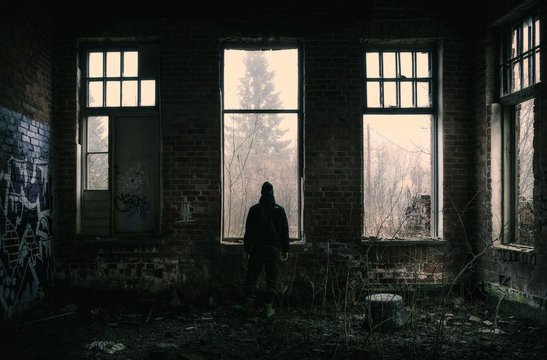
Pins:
x,y
251,140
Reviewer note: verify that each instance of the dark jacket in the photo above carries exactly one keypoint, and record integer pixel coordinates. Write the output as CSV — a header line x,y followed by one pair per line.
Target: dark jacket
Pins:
x,y
266,226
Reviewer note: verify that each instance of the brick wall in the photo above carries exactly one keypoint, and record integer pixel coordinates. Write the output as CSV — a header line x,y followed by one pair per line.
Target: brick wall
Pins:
x,y
508,270
26,166
189,255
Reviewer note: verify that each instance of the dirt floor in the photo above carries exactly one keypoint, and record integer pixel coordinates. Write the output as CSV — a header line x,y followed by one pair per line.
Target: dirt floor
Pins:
x,y
459,330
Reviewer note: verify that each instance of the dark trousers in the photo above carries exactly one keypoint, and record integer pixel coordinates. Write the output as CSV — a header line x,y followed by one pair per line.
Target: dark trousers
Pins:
x,y
268,259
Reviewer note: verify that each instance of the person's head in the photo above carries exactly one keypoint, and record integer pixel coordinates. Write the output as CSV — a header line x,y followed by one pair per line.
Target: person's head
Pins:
x,y
267,189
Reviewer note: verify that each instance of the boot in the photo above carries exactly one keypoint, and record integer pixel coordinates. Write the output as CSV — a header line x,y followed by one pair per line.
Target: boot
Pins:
x,y
269,310
247,305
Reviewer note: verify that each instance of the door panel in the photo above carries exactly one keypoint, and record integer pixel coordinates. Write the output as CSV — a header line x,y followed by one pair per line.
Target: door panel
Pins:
x,y
135,175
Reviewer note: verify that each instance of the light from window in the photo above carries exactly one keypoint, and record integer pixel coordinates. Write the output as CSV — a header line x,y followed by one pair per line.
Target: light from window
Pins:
x,y
148,92
113,81
525,157
260,134
520,56
397,176
398,79
97,153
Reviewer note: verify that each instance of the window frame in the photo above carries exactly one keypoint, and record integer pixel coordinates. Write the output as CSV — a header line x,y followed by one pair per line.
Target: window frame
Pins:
x,y
111,112
436,125
506,233
506,61
260,45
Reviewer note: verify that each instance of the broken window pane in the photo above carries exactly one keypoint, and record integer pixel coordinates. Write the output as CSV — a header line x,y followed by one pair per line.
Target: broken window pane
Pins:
x,y
397,179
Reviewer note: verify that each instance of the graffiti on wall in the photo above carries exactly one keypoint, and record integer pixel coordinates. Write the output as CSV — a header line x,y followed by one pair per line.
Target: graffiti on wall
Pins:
x,y
26,259
26,241
130,186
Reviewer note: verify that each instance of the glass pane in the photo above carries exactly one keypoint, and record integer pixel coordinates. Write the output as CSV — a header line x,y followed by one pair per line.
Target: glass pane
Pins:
x,y
95,94
112,93
515,84
423,68
525,72
261,79
373,94
97,171
390,94
536,38
97,134
95,68
259,148
397,176
538,67
113,64
525,206
148,92
406,64
406,94
373,65
389,65
129,93
514,44
130,63
422,94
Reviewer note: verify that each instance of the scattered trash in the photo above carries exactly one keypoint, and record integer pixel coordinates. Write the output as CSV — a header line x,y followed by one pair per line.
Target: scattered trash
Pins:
x,y
190,328
109,347
474,318
491,331
487,323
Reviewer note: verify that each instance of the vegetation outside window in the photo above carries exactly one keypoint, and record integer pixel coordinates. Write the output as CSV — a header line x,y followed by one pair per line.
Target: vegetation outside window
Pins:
x,y
261,117
400,144
519,73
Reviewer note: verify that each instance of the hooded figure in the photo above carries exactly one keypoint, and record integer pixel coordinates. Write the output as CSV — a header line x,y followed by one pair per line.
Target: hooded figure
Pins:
x,y
266,243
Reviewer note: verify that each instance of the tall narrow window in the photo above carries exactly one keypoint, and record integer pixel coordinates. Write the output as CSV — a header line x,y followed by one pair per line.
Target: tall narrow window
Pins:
x,y
120,141
261,117
400,145
519,74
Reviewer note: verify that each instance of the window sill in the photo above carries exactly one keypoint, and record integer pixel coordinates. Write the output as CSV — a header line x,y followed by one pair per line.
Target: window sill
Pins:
x,y
402,242
239,241
514,248
121,240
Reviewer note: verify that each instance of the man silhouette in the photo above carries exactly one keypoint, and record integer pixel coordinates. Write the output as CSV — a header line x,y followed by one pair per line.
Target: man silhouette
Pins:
x,y
266,243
